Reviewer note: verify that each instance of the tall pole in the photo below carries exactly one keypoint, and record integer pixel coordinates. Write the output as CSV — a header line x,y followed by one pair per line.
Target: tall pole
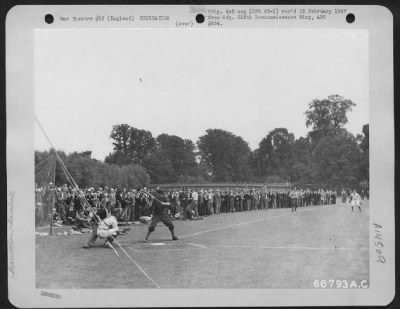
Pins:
x,y
53,190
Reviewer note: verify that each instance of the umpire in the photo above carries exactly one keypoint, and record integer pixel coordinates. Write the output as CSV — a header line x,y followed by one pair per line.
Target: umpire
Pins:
x,y
160,205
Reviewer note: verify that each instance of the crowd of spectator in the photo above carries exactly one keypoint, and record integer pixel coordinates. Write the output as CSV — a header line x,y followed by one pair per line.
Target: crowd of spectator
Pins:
x,y
129,205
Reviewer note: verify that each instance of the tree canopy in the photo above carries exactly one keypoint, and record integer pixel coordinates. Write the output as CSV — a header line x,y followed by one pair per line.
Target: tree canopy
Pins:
x,y
328,116
88,172
328,155
131,145
226,155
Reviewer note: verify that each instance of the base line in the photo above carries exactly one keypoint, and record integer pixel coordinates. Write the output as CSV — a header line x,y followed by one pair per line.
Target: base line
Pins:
x,y
138,266
197,245
294,248
246,222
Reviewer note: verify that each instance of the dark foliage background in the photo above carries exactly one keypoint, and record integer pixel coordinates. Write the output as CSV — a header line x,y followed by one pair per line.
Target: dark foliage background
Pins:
x,y
328,155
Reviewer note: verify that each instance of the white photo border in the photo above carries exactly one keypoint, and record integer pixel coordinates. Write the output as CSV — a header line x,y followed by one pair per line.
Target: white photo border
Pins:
x,y
21,24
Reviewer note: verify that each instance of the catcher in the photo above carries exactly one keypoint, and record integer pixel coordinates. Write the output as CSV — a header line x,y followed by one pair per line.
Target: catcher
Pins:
x,y
106,229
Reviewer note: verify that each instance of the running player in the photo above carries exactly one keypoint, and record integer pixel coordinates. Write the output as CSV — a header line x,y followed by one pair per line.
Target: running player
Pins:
x,y
355,200
160,205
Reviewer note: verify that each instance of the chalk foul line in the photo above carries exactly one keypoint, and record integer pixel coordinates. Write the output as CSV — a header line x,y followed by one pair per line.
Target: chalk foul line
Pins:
x,y
246,222
138,266
293,248
197,245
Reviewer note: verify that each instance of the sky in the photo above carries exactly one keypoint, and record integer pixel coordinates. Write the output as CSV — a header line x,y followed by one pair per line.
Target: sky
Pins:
x,y
185,81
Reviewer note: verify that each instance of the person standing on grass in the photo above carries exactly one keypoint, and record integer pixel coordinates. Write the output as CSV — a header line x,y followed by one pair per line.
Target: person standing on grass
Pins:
x,y
355,200
183,202
237,201
189,206
112,198
241,201
205,203
246,199
293,199
223,201
263,198
270,199
210,206
175,204
279,200
123,200
160,205
344,196
231,202
217,201
195,203
129,200
40,217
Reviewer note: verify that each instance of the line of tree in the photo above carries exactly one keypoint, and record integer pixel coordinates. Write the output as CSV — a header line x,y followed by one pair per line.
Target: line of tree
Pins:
x,y
328,154
86,171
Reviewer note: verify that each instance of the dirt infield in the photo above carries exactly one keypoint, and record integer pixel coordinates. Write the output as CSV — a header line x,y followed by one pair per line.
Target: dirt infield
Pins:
x,y
272,248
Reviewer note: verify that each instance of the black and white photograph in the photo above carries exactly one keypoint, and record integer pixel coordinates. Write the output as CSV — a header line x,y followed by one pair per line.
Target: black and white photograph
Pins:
x,y
224,148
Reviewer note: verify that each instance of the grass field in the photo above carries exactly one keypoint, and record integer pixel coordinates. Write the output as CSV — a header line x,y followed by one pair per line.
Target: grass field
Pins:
x,y
272,248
